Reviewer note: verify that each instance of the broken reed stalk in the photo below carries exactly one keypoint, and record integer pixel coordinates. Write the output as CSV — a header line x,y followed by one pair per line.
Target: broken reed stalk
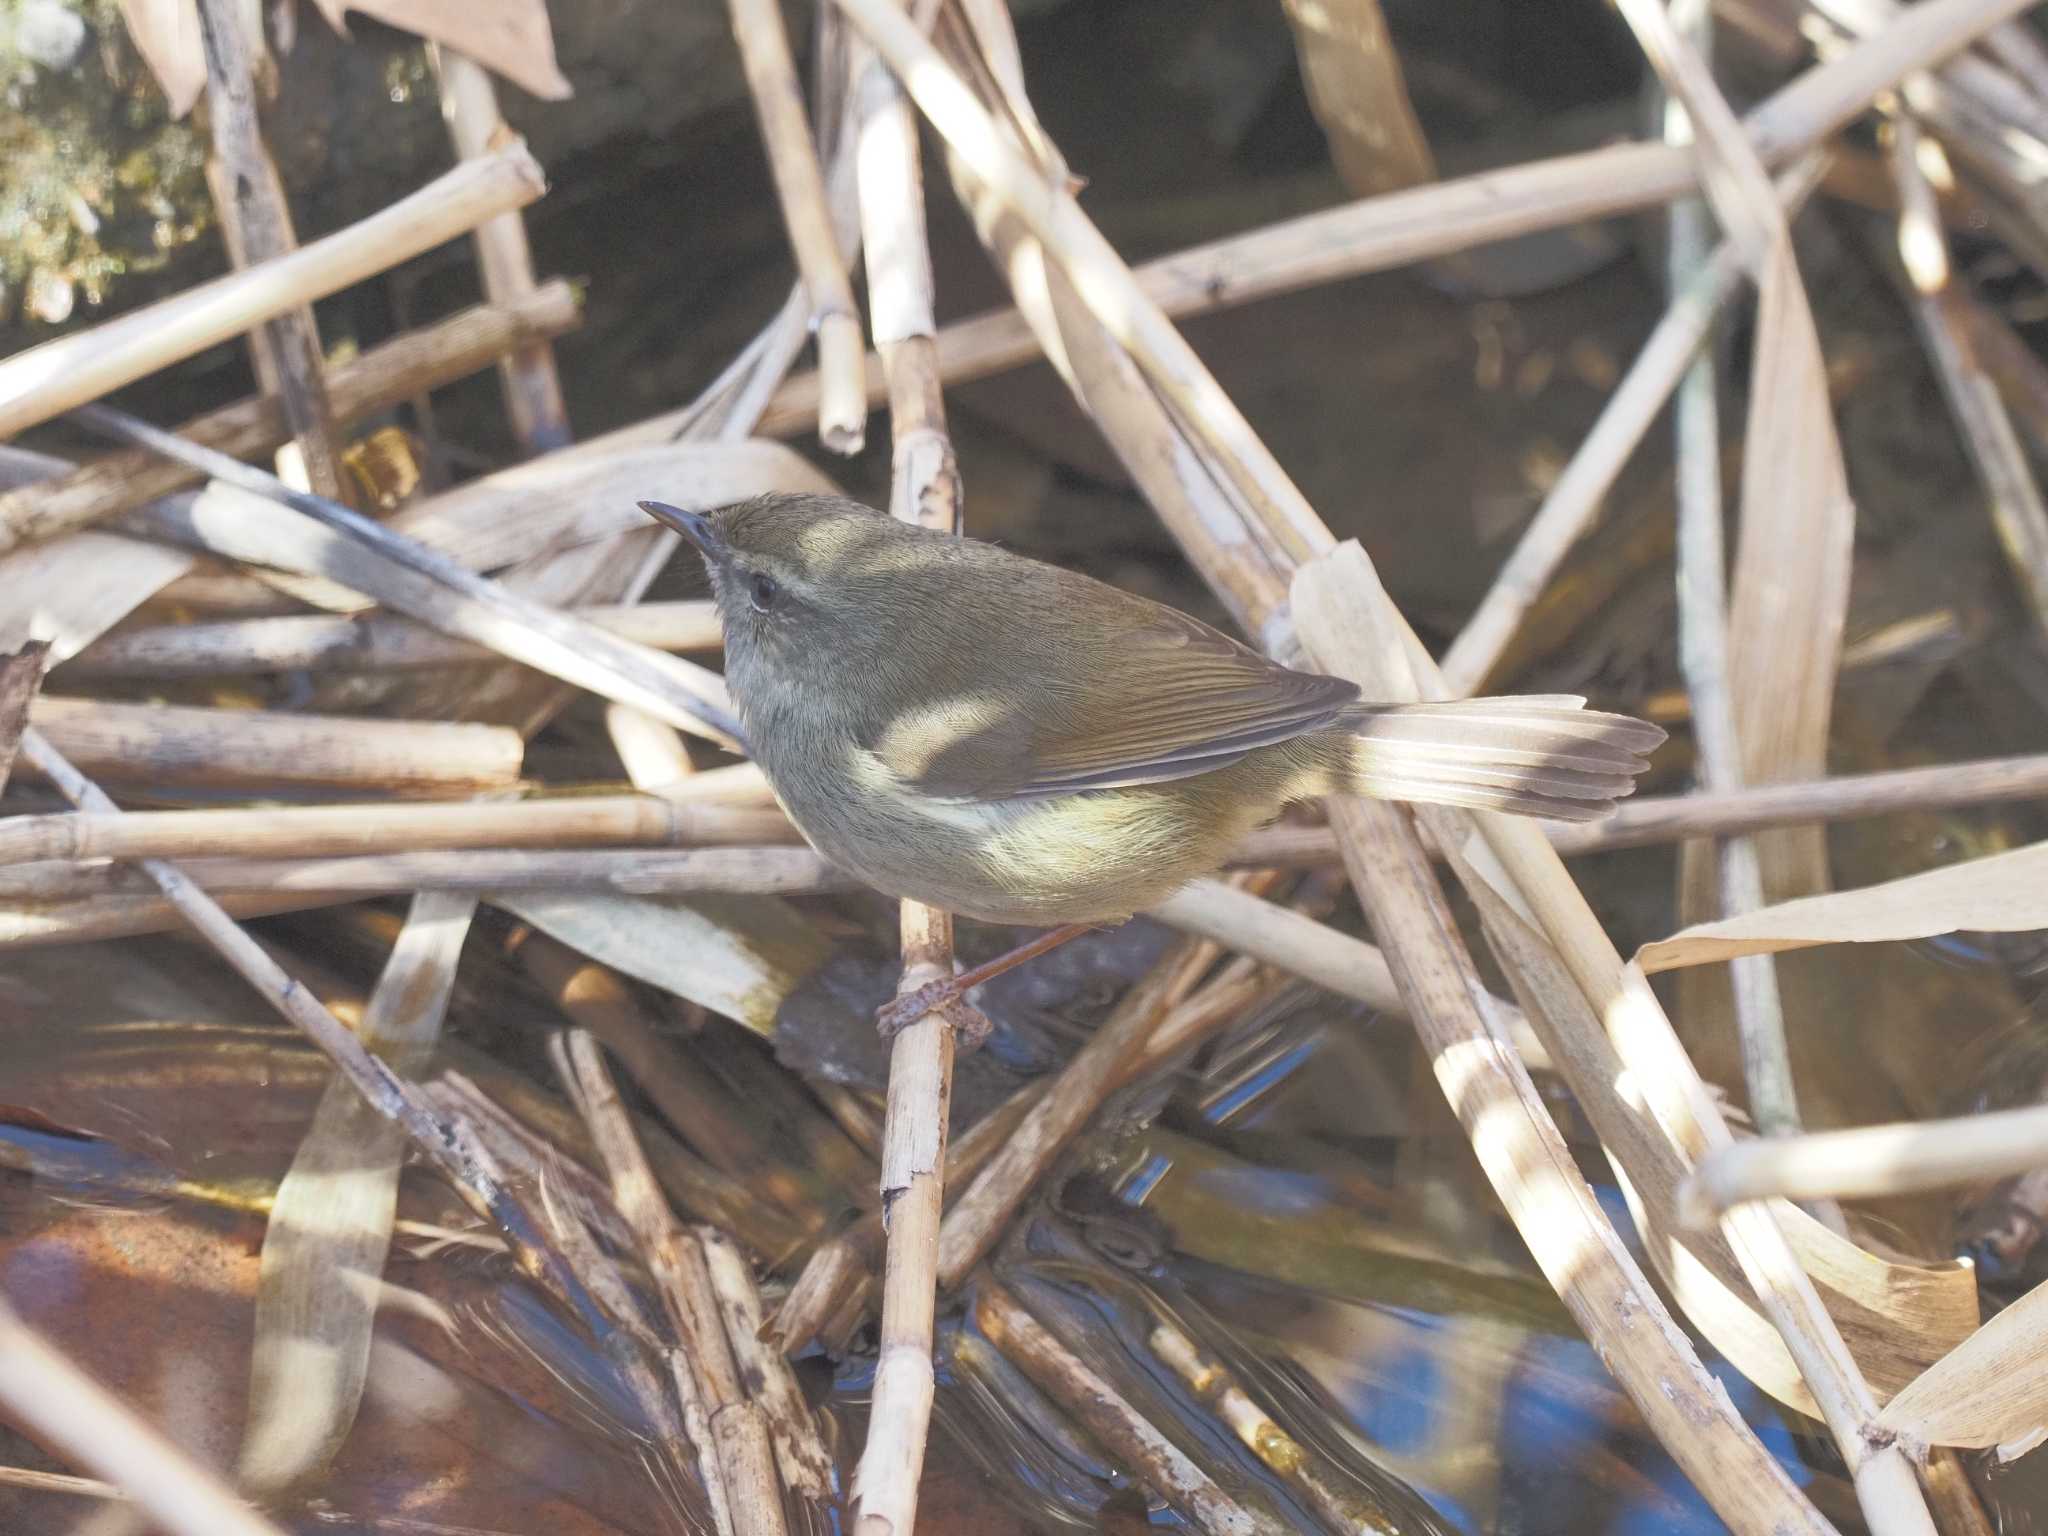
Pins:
x,y
800,1453
533,389
1574,502
1869,1162
170,744
441,591
800,188
315,831
2018,512
925,491
1119,1428
978,1215
46,1394
732,1446
317,642
392,371
47,380
1703,659
257,225
451,1150
1395,229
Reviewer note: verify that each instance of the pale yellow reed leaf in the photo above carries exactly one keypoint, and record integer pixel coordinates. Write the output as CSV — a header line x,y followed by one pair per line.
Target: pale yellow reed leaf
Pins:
x,y
2004,893
166,34
1989,1390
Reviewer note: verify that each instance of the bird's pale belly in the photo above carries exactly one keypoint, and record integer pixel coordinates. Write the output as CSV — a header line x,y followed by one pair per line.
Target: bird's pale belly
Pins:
x,y
1092,857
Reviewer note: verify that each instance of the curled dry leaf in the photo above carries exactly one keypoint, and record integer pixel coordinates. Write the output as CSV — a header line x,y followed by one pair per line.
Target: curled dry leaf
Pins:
x,y
1992,1389
2005,893
510,37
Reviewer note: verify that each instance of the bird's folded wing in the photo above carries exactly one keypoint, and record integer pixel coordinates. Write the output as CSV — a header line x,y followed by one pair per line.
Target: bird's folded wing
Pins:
x,y
1167,699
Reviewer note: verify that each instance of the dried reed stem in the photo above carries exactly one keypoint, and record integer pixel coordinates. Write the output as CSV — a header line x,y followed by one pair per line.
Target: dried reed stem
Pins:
x,y
2018,511
386,374
800,1451
465,1164
800,187
925,490
533,390
1398,228
1703,659
313,831
1574,501
316,642
166,744
734,871
1117,1426
736,1457
411,577
1520,1148
258,226
1868,1162
49,379
46,1394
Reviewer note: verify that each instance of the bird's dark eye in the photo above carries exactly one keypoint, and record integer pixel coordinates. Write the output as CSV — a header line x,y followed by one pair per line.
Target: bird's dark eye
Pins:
x,y
765,592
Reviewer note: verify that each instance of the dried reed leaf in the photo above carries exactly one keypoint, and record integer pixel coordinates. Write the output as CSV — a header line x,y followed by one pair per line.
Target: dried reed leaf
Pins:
x,y
330,1227
2004,893
1992,1389
509,36
166,34
1897,1319
738,956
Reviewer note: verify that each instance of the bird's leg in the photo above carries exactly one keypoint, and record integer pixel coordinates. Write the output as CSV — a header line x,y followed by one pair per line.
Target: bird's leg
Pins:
x,y
948,991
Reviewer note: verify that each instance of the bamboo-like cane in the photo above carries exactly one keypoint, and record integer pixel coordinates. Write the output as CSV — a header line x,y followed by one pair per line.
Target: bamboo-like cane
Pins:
x,y
800,187
52,378
392,371
21,674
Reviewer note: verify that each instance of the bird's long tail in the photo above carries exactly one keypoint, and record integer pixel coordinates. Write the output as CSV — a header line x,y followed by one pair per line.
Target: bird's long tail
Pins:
x,y
1540,755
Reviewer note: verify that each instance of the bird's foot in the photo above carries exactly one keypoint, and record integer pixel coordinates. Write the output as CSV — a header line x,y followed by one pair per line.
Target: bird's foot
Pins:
x,y
948,994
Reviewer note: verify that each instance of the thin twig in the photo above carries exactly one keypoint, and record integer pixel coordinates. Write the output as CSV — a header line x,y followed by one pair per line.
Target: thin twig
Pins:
x,y
47,380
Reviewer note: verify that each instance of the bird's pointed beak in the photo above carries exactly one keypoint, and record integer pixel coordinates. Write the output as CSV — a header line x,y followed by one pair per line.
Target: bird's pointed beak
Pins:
x,y
694,526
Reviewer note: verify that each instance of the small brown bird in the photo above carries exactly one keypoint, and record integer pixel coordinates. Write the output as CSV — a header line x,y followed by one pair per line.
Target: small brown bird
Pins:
x,y
1013,742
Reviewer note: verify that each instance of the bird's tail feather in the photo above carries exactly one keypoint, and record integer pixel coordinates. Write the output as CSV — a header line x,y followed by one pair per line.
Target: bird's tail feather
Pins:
x,y
1537,755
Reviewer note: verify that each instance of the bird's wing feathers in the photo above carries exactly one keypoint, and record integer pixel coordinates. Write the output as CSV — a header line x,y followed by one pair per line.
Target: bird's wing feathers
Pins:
x,y
1167,697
